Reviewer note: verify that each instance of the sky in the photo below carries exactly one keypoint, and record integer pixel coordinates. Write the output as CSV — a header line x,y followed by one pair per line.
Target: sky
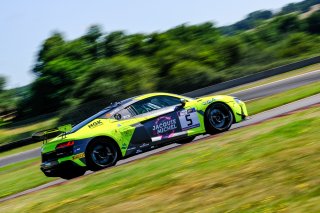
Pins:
x,y
25,25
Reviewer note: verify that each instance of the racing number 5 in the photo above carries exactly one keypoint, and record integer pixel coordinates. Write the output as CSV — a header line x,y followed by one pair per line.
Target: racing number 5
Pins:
x,y
189,120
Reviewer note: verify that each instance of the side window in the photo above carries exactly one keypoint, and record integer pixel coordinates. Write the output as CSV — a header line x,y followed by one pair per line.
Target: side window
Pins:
x,y
169,100
154,103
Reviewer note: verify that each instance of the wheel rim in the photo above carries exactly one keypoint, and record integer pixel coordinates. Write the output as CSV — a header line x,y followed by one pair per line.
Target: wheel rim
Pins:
x,y
220,117
103,155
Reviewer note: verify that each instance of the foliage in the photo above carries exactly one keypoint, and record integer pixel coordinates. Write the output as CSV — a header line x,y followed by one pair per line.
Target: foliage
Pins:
x,y
300,6
313,23
254,19
117,65
251,21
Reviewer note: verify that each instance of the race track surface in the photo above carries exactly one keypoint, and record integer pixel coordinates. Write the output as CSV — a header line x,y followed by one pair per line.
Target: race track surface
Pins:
x,y
278,86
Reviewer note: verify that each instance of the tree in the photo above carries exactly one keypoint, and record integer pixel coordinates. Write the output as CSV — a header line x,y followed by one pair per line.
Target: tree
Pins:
x,y
114,43
2,83
94,32
116,78
50,48
313,23
186,76
288,23
230,50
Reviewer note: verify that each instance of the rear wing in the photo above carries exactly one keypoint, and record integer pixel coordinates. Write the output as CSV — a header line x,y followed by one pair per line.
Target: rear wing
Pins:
x,y
47,134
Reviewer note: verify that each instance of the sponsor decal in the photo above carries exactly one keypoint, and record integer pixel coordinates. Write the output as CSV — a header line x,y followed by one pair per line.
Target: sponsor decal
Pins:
x,y
132,148
124,146
77,156
188,119
209,101
95,124
164,127
144,145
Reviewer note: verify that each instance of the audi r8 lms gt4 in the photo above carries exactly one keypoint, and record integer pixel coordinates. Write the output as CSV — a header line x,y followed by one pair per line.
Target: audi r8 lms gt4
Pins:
x,y
133,126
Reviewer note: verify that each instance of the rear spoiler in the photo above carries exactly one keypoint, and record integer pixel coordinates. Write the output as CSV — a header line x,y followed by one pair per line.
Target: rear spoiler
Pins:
x,y
47,134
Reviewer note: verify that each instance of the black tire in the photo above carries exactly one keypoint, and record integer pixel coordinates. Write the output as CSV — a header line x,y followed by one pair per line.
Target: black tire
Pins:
x,y
186,140
101,154
218,118
71,173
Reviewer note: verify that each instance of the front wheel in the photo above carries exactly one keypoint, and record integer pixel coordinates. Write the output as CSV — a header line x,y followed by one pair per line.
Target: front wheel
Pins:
x,y
219,118
101,154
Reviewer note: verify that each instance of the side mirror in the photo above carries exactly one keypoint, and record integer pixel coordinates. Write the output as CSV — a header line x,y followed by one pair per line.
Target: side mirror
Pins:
x,y
183,102
117,116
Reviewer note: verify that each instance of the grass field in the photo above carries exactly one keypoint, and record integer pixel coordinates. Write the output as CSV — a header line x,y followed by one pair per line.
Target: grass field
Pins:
x,y
273,101
21,176
269,167
13,134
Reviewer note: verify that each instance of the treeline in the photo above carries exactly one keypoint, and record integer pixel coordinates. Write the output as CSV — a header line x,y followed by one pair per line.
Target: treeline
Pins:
x,y
117,65
254,19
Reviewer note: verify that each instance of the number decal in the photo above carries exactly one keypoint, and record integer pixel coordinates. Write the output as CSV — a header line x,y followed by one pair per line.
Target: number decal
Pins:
x,y
188,119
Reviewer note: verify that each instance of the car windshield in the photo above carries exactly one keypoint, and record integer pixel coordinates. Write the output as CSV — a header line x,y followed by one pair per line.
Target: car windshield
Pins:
x,y
99,114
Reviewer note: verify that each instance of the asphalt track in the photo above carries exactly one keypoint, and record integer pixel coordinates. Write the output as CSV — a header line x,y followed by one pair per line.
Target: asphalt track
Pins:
x,y
278,86
247,94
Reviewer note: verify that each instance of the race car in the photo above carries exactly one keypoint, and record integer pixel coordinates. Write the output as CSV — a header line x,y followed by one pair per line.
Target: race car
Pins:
x,y
133,126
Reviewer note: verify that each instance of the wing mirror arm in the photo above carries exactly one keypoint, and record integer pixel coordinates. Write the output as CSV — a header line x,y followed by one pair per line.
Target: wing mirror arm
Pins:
x,y
183,102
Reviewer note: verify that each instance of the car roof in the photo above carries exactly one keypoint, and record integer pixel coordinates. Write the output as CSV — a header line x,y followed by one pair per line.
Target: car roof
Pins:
x,y
141,97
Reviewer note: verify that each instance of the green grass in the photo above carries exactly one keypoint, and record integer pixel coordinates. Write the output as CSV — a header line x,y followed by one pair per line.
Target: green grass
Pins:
x,y
271,79
260,105
8,135
270,167
21,176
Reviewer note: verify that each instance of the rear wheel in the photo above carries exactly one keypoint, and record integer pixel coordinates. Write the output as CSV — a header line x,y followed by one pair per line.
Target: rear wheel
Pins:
x,y
219,118
101,154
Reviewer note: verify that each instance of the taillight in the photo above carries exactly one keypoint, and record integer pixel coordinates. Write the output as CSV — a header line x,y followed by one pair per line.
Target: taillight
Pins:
x,y
65,144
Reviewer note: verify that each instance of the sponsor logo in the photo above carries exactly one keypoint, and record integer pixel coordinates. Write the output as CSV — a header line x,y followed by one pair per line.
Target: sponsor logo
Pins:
x,y
77,156
132,148
164,127
95,124
144,145
124,146
209,101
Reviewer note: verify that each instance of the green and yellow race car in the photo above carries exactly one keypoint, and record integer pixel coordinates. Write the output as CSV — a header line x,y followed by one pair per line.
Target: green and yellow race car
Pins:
x,y
133,126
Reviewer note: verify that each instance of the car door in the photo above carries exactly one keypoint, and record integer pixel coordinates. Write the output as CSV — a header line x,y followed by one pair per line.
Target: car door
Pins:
x,y
164,119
